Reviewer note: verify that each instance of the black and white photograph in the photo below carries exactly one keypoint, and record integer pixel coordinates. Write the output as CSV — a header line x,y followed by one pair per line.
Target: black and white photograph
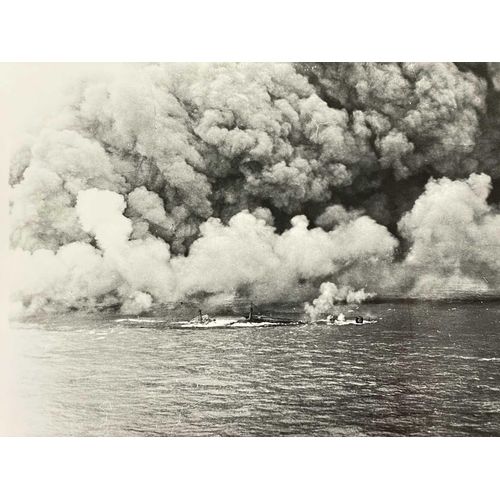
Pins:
x,y
260,249
249,251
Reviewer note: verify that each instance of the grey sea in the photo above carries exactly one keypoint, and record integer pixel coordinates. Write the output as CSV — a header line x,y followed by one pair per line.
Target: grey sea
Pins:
x,y
424,369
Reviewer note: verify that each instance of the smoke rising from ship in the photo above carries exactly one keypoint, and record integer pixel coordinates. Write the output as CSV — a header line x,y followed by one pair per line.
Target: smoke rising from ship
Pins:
x,y
330,299
259,180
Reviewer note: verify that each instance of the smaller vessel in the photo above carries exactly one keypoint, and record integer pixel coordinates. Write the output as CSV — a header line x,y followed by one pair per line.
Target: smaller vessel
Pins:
x,y
202,319
255,318
206,321
252,320
341,320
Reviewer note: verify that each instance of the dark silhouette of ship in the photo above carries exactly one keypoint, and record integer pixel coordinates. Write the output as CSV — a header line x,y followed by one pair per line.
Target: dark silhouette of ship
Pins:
x,y
255,317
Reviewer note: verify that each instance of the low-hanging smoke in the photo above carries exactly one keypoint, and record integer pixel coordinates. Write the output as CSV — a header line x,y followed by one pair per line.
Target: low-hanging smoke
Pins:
x,y
330,298
454,236
260,180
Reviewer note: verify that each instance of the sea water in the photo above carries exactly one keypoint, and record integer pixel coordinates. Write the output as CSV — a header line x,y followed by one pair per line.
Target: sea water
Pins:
x,y
424,369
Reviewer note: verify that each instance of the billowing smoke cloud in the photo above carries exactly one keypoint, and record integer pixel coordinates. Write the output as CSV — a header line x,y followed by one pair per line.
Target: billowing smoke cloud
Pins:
x,y
249,256
419,115
259,180
246,256
454,236
330,297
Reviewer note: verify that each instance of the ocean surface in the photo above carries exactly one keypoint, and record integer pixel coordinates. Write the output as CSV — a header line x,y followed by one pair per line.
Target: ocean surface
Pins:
x,y
424,369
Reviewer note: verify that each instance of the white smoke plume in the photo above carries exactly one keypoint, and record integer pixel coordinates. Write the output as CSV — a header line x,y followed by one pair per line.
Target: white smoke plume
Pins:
x,y
330,297
136,303
455,238
169,181
245,256
248,255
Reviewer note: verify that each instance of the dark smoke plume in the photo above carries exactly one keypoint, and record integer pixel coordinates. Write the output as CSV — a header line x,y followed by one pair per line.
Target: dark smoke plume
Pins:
x,y
261,180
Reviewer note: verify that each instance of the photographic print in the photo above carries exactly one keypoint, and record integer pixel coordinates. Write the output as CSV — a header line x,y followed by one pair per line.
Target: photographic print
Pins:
x,y
256,249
